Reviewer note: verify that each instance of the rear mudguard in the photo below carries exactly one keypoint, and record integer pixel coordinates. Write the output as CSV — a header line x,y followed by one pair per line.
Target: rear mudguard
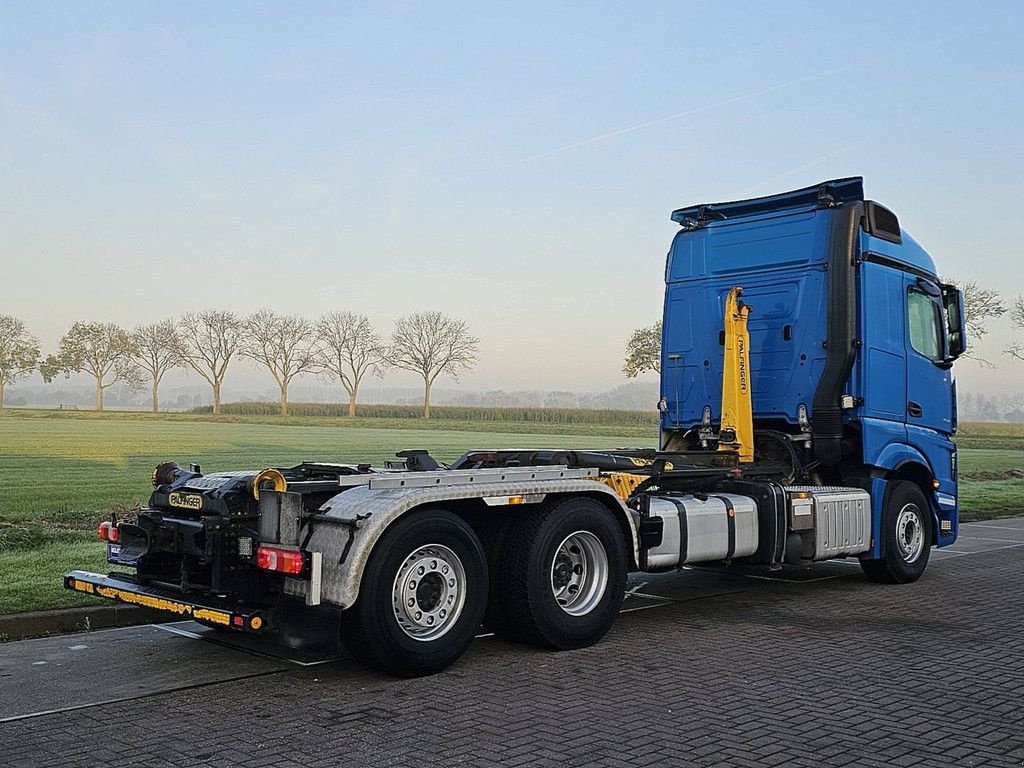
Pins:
x,y
349,526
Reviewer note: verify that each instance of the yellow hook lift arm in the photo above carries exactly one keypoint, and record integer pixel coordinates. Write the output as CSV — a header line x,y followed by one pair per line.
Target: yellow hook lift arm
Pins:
x,y
737,429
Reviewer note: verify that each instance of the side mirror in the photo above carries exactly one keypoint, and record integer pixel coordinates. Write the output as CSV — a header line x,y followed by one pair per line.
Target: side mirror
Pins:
x,y
953,302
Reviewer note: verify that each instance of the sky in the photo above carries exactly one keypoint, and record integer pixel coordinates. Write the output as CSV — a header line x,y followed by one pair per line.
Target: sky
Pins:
x,y
514,164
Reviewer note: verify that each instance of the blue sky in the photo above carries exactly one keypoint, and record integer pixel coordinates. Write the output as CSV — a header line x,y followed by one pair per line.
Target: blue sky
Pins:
x,y
511,163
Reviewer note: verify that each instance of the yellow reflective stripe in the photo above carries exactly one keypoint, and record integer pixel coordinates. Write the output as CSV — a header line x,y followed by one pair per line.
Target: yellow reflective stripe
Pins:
x,y
217,617
158,603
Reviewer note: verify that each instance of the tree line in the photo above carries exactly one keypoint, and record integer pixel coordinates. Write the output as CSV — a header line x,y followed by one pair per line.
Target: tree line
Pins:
x,y
340,346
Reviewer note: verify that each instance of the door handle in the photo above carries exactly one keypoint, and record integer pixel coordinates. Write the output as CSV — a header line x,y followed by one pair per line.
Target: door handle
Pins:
x,y
915,409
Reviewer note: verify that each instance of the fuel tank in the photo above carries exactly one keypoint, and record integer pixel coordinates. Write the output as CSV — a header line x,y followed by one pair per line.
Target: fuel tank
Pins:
x,y
702,528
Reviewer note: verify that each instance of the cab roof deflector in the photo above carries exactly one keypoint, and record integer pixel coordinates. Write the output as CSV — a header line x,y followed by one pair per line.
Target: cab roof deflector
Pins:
x,y
827,194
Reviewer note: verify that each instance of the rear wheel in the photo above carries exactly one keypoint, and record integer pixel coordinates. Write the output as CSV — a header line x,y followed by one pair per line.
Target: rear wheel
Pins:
x,y
495,537
562,578
906,536
422,597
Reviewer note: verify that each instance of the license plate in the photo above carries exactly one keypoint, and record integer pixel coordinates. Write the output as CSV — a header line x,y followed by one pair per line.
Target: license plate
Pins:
x,y
118,555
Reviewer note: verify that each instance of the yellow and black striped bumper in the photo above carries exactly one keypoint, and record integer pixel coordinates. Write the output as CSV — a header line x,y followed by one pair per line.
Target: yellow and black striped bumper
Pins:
x,y
209,610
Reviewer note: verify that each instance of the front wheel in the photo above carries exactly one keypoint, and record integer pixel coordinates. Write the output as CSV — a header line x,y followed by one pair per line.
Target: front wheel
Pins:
x,y
422,596
906,536
562,576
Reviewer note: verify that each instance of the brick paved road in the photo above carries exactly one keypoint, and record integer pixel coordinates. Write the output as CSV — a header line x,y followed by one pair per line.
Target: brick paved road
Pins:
x,y
819,668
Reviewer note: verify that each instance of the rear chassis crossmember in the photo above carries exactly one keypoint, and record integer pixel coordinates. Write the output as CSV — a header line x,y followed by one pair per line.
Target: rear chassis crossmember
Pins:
x,y
209,609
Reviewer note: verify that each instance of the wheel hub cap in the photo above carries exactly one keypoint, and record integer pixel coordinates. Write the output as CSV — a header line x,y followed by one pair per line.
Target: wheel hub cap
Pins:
x,y
429,592
910,533
579,573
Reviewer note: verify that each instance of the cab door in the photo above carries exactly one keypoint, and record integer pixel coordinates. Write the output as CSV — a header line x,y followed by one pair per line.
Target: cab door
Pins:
x,y
929,379
930,393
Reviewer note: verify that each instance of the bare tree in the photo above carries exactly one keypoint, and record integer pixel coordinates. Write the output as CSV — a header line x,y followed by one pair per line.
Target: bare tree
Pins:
x,y
643,351
1016,348
209,340
157,350
349,350
19,352
981,305
285,344
430,343
103,350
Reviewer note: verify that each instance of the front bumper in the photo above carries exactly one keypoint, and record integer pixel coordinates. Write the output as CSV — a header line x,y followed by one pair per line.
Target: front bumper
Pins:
x,y
208,609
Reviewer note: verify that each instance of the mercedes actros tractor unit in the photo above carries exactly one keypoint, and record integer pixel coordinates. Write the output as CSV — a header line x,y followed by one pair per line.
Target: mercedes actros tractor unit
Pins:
x,y
807,411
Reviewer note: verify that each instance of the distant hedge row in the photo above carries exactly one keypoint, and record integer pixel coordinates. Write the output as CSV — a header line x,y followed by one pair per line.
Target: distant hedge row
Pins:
x,y
449,412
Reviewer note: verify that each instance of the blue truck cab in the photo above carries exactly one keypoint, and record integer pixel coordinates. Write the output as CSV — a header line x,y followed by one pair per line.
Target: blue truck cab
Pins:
x,y
852,341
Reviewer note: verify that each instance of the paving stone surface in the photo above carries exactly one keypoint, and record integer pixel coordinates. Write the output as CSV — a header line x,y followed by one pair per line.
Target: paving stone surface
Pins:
x,y
810,668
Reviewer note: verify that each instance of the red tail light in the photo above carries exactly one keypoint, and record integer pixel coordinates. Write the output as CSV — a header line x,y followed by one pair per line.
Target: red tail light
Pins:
x,y
108,532
282,560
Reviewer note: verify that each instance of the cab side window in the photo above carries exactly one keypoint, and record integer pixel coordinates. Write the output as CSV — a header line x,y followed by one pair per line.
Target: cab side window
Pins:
x,y
925,325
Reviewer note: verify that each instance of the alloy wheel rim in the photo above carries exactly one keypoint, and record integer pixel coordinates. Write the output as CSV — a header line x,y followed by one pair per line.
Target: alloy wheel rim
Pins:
x,y
579,573
910,533
429,592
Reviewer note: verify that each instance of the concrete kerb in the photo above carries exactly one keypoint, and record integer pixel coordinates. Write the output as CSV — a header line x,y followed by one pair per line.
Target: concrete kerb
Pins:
x,y
18,626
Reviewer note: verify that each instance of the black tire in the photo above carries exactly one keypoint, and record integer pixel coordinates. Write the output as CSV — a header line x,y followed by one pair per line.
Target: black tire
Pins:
x,y
906,536
379,631
528,575
495,537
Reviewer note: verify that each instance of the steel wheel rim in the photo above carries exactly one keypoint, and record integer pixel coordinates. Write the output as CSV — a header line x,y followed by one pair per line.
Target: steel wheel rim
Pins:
x,y
579,573
910,533
429,592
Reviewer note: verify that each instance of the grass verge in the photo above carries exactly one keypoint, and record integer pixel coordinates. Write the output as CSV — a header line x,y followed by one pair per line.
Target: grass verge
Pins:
x,y
30,575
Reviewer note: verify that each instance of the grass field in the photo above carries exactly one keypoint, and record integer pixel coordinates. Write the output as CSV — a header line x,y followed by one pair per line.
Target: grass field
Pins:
x,y
58,475
453,419
60,471
488,415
